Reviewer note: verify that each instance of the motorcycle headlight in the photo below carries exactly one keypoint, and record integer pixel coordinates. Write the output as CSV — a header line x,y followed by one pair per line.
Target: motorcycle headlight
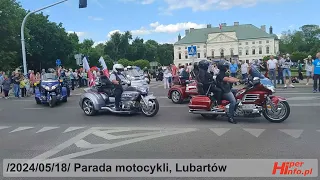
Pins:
x,y
46,88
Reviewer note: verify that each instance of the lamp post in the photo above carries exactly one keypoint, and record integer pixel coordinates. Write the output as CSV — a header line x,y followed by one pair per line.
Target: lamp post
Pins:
x,y
82,4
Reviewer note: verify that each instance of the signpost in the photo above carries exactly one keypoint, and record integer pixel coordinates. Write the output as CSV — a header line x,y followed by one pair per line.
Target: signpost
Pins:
x,y
58,62
192,51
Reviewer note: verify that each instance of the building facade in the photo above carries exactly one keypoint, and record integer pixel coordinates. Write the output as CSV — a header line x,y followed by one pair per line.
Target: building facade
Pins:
x,y
242,42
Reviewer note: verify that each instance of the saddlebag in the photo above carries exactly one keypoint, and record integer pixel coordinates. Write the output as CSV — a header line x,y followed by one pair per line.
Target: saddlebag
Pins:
x,y
200,102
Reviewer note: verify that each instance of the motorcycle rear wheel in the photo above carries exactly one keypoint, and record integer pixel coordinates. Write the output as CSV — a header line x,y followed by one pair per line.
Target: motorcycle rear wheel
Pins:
x,y
88,107
284,106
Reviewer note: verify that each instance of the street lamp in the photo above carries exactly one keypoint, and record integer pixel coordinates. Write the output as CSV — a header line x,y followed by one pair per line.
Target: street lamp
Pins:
x,y
82,4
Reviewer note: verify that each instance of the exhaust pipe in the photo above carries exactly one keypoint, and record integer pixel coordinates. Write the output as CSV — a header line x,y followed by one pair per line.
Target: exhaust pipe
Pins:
x,y
114,111
206,112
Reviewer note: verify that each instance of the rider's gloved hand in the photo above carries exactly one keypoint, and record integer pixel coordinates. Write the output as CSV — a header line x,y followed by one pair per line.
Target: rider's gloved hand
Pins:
x,y
242,81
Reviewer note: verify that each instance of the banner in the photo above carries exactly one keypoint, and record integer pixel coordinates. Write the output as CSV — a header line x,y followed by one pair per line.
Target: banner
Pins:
x,y
161,168
104,66
86,67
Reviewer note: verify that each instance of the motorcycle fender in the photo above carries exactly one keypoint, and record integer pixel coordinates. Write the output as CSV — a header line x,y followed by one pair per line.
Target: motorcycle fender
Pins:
x,y
276,99
96,98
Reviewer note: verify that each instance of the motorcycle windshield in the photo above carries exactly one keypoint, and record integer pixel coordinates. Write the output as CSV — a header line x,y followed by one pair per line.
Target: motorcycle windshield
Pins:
x,y
49,77
132,73
254,72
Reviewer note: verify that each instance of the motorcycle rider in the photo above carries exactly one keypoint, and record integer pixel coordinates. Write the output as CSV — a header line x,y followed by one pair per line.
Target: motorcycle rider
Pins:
x,y
206,79
66,82
224,82
116,78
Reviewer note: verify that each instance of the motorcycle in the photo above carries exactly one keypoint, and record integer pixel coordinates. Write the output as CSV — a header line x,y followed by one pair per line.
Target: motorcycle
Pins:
x,y
134,99
147,78
182,90
159,76
254,100
50,91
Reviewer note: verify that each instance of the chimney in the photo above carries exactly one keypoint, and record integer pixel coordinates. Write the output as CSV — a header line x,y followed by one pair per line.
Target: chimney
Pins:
x,y
186,32
263,28
270,30
208,25
179,37
236,23
223,24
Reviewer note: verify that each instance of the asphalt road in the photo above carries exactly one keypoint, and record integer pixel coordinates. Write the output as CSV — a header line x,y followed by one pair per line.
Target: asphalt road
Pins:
x,y
31,131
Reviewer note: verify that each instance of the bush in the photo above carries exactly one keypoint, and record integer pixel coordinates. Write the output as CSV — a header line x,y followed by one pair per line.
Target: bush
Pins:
x,y
142,63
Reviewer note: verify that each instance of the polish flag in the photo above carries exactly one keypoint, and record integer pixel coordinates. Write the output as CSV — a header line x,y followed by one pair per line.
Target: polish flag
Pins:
x,y
220,26
104,66
86,67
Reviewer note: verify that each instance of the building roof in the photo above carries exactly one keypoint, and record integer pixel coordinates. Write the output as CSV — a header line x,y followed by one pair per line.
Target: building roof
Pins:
x,y
243,32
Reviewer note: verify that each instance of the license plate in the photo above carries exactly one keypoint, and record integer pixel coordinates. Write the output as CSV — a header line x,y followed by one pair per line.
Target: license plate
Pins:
x,y
53,93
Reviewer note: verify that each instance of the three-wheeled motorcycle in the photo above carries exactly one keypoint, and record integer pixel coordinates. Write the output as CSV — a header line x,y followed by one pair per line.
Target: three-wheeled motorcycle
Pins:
x,y
50,90
134,99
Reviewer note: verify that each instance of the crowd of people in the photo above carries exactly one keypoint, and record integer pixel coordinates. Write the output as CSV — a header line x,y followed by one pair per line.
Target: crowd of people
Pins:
x,y
20,85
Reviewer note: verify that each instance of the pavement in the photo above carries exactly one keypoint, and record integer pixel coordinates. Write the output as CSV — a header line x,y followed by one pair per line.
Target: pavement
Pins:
x,y
28,130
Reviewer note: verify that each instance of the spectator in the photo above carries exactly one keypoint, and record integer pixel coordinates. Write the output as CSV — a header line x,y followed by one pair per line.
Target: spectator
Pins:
x,y
6,86
234,69
287,72
244,70
272,68
308,67
281,60
316,73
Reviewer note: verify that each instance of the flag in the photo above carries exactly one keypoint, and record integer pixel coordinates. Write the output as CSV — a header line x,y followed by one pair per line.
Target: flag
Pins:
x,y
104,66
220,26
86,67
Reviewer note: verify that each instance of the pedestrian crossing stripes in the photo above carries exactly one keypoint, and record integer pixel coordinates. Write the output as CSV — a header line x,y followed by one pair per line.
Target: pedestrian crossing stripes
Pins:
x,y
294,133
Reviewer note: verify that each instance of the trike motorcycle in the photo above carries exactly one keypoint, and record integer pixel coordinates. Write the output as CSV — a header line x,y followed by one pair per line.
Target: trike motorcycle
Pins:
x,y
182,90
134,99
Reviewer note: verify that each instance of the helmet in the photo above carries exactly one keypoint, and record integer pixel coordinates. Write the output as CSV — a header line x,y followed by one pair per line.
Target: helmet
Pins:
x,y
118,68
223,65
195,65
204,64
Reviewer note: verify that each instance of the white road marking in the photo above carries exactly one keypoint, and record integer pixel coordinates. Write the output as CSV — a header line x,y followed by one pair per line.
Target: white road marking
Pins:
x,y
318,130
305,105
103,147
220,131
254,132
21,129
306,98
46,129
33,108
293,93
72,129
295,133
4,127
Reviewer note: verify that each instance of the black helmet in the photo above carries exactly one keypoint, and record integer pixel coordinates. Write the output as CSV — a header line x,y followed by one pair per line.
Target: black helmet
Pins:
x,y
195,65
204,64
223,65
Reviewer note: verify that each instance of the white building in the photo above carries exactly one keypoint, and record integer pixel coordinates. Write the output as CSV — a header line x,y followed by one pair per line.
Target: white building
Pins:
x,y
243,42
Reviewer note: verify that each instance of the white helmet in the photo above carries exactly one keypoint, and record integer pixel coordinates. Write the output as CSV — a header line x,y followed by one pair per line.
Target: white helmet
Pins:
x,y
118,67
310,56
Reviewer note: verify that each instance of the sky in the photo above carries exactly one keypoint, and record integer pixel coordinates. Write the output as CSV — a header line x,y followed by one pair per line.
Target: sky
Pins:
x,y
164,20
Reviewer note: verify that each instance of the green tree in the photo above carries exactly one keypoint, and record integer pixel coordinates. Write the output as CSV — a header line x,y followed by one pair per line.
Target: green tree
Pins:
x,y
142,63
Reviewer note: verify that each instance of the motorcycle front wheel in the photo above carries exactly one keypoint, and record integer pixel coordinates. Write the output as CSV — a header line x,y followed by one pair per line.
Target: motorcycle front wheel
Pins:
x,y
280,114
53,101
151,109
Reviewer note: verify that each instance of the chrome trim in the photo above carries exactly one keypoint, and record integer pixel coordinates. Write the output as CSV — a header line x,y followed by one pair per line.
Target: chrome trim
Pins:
x,y
250,97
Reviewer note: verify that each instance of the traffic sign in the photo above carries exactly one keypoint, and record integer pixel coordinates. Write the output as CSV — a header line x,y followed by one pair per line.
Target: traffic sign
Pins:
x,y
192,50
78,58
58,62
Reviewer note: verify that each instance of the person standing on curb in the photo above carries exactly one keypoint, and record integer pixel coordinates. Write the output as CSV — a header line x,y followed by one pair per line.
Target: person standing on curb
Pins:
x,y
308,67
272,68
280,71
316,73
287,72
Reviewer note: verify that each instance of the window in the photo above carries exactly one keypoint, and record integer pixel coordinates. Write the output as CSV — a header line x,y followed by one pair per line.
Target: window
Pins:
x,y
212,53
260,50
186,56
240,44
240,52
247,43
205,55
198,55
204,46
185,47
253,42
247,61
179,48
231,52
179,55
222,53
253,51
260,42
267,50
267,41
247,51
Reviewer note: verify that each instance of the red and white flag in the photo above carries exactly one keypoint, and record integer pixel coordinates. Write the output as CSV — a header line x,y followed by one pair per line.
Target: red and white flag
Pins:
x,y
104,66
220,26
86,67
